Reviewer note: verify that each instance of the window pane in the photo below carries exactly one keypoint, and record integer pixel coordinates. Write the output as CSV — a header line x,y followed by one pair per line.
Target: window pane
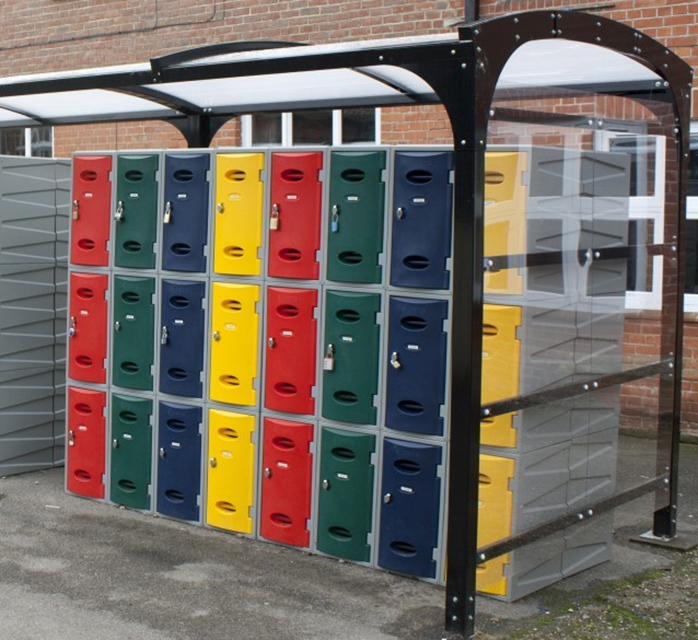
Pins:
x,y
358,125
42,142
266,128
312,127
642,150
12,142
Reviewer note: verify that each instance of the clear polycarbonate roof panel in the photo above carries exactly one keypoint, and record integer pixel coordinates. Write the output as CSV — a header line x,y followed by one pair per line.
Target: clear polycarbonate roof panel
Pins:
x,y
11,119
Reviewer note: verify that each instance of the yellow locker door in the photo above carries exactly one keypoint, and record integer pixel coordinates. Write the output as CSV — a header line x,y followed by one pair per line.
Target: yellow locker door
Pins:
x,y
505,216
230,487
239,214
234,343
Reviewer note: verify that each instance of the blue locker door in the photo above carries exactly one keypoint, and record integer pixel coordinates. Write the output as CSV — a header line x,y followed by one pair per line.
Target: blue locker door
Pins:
x,y
179,460
421,219
416,379
409,527
182,338
185,213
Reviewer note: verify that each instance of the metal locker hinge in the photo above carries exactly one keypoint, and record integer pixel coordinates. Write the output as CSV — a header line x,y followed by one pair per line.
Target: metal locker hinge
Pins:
x,y
395,360
274,220
117,326
388,498
162,453
267,472
326,484
76,209
71,438
119,215
400,213
164,335
216,336
328,360
220,207
212,462
334,219
72,329
271,343
115,443
168,213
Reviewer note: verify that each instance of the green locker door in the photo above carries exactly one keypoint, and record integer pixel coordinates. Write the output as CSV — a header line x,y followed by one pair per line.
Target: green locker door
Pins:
x,y
131,448
350,365
346,494
132,330
136,211
357,212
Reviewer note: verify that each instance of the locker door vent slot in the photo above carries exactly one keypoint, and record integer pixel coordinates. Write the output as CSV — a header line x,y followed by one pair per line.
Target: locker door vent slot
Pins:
x,y
176,373
348,315
130,367
82,475
85,293
290,254
413,323
350,257
130,297
353,175
416,262
484,479
410,407
344,454
489,330
287,311
285,444
235,175
88,175
183,175
232,305
231,381
292,175
409,467
128,416
225,507
180,249
346,397
234,252
285,389
174,496
134,175
281,519
132,246
175,424
180,302
86,244
83,408
403,548
127,485
227,432
419,176
340,533
84,361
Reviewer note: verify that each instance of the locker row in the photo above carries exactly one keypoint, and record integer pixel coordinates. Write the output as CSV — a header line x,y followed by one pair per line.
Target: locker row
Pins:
x,y
180,352
324,496
279,214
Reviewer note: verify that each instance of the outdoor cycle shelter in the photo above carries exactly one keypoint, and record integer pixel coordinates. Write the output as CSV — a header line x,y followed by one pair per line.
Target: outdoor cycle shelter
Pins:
x,y
570,141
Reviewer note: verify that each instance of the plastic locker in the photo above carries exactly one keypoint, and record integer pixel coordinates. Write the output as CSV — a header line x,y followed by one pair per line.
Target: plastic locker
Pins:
x,y
345,504
421,219
182,331
239,214
289,377
357,215
132,342
295,215
86,442
286,485
185,213
501,352
131,451
136,211
231,457
416,370
91,217
179,460
410,507
88,323
351,352
234,346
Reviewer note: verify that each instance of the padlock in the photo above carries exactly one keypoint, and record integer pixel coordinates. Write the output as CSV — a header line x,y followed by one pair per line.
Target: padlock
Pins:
x,y
168,213
115,443
117,326
76,209
216,336
326,484
163,453
164,335
388,498
400,213
119,215
212,462
274,220
73,328
267,472
271,343
394,360
220,207
71,438
328,360
334,219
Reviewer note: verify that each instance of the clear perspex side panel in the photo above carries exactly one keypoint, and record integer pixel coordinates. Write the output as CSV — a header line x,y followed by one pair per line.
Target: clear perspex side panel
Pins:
x,y
579,318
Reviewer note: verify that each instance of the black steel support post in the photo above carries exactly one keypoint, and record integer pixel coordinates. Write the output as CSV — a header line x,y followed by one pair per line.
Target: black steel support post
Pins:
x,y
199,130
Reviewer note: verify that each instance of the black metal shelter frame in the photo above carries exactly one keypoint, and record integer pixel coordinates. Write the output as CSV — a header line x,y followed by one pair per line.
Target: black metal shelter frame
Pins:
x,y
463,74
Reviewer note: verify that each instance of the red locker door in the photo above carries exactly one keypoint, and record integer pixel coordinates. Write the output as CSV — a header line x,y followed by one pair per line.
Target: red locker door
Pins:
x,y
87,332
91,210
286,482
291,349
295,215
86,433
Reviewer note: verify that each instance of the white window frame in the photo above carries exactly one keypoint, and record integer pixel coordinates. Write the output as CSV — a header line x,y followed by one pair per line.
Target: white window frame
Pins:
x,y
690,300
